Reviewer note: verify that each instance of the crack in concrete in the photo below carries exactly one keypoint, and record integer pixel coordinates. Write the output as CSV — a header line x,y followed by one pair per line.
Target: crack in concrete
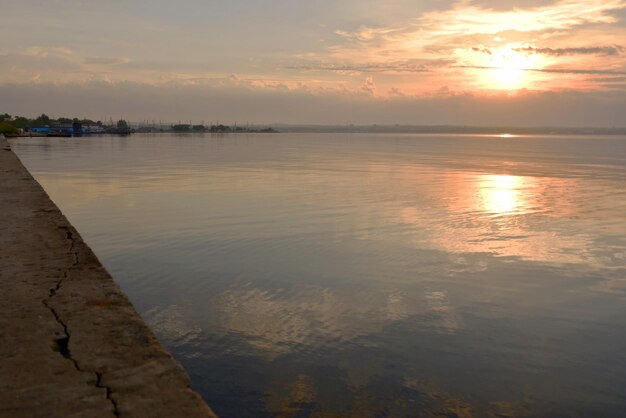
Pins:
x,y
62,339
108,392
70,237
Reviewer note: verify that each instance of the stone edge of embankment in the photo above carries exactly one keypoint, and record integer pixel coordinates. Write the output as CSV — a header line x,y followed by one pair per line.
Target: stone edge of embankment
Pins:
x,y
74,345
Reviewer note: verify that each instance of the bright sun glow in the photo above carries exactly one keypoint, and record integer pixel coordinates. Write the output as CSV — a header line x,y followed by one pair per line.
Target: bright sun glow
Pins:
x,y
500,193
507,69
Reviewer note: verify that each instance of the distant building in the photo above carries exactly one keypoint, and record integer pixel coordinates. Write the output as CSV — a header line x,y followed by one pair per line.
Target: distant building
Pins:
x,y
62,129
93,129
77,129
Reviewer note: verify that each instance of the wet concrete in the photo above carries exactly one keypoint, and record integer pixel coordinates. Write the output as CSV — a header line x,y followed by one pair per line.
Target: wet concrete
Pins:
x,y
72,344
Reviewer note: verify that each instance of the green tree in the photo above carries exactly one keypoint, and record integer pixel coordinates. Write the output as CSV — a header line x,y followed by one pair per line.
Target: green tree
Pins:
x,y
5,117
181,128
122,124
21,122
7,129
42,120
220,128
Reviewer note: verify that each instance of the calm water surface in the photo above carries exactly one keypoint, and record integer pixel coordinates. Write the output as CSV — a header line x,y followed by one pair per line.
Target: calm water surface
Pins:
x,y
305,275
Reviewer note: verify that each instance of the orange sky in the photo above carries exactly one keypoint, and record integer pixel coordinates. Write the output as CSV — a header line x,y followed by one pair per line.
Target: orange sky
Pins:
x,y
356,50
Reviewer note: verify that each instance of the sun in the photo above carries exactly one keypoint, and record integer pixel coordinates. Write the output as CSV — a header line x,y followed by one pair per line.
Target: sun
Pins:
x,y
507,69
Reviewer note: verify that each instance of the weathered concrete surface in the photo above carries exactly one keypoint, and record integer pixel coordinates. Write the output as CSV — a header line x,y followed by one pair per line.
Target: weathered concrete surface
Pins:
x,y
71,343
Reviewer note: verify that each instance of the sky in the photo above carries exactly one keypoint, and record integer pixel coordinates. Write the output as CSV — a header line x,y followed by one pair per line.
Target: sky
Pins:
x,y
481,62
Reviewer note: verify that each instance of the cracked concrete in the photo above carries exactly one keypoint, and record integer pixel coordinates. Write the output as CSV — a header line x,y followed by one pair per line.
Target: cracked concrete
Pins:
x,y
72,344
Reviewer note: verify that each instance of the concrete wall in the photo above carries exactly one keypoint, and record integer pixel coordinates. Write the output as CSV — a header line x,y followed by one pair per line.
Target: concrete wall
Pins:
x,y
72,344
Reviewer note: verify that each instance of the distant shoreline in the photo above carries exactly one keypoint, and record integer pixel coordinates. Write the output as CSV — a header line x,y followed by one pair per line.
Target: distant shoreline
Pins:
x,y
44,125
449,129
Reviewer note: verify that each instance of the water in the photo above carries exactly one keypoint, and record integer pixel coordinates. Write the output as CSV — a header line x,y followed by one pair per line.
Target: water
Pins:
x,y
320,275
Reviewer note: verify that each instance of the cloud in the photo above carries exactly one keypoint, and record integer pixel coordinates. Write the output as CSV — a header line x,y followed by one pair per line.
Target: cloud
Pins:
x,y
554,70
409,66
106,60
415,53
438,43
55,64
559,52
617,79
137,101
483,50
465,18
611,50
577,71
369,86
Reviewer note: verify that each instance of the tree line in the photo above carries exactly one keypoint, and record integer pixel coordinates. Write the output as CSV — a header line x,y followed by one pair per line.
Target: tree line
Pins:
x,y
21,122
10,125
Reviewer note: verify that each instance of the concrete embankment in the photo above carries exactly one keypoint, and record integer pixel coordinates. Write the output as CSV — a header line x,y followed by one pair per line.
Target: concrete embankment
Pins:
x,y
72,344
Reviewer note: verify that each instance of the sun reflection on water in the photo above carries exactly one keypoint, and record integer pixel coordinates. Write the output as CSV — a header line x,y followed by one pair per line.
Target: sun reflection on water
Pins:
x,y
501,214
500,194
